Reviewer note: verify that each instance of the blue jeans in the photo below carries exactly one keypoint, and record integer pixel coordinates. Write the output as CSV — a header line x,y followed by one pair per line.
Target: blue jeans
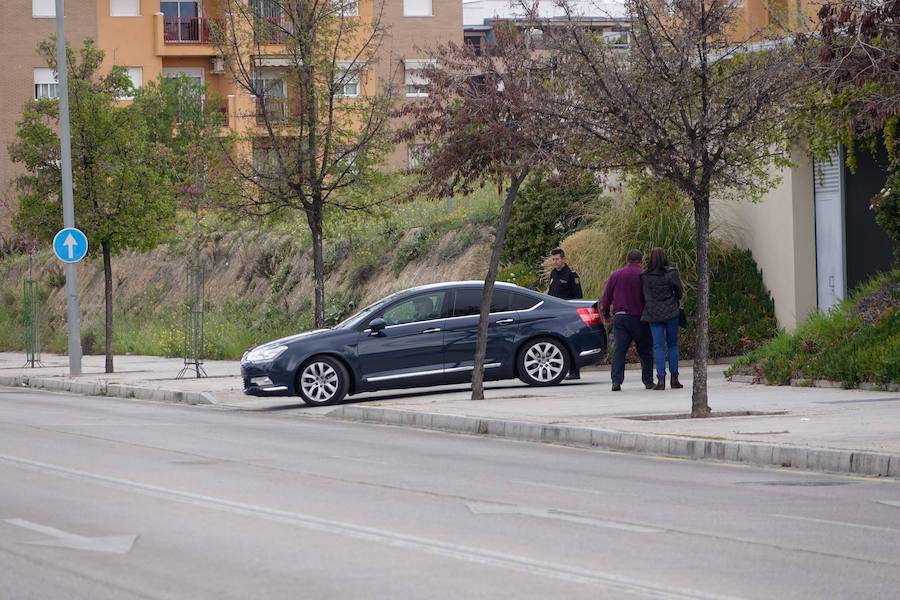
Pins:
x,y
627,329
665,337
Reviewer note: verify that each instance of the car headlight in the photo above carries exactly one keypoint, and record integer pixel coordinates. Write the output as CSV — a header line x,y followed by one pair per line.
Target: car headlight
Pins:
x,y
264,353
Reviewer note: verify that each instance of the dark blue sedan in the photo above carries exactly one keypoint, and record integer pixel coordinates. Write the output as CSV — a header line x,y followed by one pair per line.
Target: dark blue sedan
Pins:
x,y
426,336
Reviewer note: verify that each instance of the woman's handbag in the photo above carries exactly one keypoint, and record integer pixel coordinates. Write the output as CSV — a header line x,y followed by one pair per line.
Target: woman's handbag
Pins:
x,y
682,317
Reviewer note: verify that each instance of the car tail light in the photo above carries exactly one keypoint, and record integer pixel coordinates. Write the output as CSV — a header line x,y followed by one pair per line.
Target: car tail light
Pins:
x,y
590,316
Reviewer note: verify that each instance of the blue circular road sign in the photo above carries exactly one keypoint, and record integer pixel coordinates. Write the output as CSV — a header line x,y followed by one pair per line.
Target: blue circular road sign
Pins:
x,y
70,245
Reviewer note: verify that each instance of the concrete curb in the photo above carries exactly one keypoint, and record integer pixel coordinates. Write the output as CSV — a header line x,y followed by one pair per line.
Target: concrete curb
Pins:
x,y
826,460
817,383
95,388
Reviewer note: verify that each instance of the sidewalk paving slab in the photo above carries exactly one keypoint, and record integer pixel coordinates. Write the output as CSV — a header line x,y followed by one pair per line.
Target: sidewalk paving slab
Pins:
x,y
812,428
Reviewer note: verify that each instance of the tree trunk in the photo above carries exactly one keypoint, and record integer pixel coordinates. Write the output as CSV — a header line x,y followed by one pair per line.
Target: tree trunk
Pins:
x,y
108,297
488,292
314,218
699,398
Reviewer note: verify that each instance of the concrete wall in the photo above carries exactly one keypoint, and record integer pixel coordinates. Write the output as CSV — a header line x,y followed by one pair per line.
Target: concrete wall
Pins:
x,y
780,232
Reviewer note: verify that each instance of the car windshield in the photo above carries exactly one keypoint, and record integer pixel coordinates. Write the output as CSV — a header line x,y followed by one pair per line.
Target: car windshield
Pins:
x,y
355,320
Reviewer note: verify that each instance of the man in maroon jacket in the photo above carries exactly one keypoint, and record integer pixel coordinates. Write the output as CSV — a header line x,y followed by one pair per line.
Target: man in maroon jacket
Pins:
x,y
625,295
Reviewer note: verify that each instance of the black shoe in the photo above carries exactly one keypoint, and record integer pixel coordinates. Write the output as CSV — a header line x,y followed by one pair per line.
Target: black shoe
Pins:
x,y
649,386
617,387
573,376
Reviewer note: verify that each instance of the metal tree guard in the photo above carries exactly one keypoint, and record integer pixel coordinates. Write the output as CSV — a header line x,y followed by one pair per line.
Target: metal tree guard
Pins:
x,y
32,325
193,327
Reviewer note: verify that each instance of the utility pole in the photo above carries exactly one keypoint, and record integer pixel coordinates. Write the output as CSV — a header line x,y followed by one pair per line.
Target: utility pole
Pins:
x,y
72,313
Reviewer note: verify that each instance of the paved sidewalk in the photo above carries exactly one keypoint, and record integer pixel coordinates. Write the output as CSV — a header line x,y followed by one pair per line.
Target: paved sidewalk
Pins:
x,y
824,429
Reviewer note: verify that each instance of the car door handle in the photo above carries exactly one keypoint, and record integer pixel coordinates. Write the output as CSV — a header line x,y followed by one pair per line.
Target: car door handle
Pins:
x,y
432,330
504,321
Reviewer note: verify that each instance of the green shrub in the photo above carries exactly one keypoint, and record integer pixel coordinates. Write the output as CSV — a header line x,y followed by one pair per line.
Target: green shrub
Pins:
x,y
519,274
542,215
742,311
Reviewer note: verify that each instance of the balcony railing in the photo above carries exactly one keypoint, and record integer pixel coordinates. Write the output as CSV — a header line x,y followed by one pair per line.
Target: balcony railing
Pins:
x,y
273,110
273,30
188,30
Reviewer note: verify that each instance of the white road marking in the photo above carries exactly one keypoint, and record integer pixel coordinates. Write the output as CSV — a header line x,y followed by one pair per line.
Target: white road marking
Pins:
x,y
487,508
841,523
113,544
481,556
559,487
889,502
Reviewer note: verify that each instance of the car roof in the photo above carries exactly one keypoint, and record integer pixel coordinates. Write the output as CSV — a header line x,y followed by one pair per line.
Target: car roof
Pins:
x,y
464,283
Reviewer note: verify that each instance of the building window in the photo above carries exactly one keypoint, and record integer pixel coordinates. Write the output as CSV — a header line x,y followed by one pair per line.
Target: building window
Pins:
x,y
43,8
345,8
415,80
417,8
124,8
45,84
346,76
416,153
179,10
136,75
271,99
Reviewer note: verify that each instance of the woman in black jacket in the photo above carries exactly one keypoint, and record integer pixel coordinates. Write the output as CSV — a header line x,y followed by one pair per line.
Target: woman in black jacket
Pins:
x,y
662,294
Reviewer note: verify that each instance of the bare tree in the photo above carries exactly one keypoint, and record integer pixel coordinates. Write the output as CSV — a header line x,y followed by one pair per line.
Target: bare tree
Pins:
x,y
319,123
481,126
684,103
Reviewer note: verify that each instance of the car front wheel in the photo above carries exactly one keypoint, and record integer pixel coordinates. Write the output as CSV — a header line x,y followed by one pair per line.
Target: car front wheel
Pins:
x,y
543,361
322,380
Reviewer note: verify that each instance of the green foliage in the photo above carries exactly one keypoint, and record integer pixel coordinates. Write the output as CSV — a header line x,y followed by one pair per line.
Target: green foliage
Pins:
x,y
646,218
419,245
886,205
120,197
542,215
742,311
519,274
340,306
856,341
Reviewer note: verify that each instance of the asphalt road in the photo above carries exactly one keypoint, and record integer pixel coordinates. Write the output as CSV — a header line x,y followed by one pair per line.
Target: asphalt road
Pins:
x,y
107,498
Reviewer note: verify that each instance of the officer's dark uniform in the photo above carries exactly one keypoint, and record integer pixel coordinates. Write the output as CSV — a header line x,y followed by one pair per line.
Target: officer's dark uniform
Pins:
x,y
565,284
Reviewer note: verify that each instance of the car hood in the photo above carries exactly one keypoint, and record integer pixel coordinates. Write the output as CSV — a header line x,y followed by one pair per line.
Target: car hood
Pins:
x,y
306,335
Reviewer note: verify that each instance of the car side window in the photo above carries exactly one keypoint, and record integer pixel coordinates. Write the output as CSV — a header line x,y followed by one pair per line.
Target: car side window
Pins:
x,y
423,307
519,301
468,302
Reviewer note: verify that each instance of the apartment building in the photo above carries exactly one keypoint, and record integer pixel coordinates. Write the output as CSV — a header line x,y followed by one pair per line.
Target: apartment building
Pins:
x,y
154,37
23,24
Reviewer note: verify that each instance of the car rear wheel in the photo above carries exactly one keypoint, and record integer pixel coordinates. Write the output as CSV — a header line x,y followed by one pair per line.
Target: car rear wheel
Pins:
x,y
322,380
543,361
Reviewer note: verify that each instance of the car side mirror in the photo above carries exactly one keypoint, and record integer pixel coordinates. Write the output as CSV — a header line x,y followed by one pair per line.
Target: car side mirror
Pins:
x,y
376,325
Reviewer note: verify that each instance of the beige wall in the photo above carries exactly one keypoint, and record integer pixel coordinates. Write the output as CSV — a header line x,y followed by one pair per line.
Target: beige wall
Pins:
x,y
18,39
411,37
780,232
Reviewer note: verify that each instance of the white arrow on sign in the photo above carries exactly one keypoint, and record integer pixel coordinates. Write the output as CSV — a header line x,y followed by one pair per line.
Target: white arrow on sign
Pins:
x,y
113,544
486,508
70,243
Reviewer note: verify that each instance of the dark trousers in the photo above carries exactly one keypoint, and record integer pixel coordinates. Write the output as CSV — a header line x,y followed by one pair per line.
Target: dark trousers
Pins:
x,y
627,329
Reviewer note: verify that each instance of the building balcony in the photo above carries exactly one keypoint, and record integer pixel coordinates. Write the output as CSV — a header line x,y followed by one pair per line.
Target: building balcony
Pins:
x,y
195,36
273,30
273,110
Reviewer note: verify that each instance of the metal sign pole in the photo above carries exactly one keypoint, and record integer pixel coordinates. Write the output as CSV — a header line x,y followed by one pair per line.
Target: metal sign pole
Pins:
x,y
72,313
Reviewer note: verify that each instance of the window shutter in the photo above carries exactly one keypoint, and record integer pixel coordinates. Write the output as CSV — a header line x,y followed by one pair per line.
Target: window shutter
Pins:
x,y
43,8
417,8
124,8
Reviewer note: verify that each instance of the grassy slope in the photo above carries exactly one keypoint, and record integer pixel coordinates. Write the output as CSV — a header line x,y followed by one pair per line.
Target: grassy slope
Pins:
x,y
857,341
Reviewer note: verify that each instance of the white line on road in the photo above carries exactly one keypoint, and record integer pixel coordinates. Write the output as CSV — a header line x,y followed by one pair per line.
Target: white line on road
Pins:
x,y
841,523
488,508
113,544
559,487
482,556
889,502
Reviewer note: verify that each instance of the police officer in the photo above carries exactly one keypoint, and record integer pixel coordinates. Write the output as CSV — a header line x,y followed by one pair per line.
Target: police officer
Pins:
x,y
564,283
